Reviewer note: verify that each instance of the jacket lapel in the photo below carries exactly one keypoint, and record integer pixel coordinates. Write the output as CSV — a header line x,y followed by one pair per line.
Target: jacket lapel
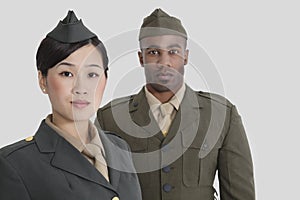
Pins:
x,y
189,110
118,157
187,118
187,115
111,159
66,157
143,117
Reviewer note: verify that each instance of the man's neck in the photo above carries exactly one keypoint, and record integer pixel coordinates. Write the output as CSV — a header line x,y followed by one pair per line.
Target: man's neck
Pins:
x,y
164,96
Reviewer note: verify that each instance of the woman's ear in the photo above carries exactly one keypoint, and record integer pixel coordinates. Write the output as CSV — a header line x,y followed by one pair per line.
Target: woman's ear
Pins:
x,y
42,82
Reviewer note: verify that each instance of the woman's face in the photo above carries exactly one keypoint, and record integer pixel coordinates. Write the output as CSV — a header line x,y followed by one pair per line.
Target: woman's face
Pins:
x,y
75,85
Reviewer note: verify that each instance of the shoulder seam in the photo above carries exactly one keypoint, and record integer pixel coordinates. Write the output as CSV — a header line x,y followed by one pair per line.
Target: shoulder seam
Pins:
x,y
117,101
8,150
215,97
111,133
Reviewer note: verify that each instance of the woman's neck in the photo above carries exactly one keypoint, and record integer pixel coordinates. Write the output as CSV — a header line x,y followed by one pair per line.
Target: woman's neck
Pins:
x,y
78,129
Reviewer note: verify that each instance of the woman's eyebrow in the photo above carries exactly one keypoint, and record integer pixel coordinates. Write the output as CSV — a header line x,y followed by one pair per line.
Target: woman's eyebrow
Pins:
x,y
73,65
66,63
93,65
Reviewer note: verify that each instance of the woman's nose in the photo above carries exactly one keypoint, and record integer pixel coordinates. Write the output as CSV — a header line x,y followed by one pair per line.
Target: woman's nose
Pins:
x,y
79,87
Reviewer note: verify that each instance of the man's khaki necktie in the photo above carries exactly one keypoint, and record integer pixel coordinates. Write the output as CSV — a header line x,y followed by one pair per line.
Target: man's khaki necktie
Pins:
x,y
165,118
95,153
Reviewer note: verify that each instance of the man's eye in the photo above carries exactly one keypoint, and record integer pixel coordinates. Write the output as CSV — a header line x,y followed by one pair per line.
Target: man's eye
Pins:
x,y
93,75
174,51
153,52
67,74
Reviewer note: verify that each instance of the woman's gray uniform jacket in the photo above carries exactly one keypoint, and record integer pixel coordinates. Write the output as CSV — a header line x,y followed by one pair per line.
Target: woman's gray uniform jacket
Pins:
x,y
50,168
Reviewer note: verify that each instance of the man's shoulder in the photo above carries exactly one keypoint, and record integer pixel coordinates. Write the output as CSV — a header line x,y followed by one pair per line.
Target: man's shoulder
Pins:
x,y
202,95
213,97
118,102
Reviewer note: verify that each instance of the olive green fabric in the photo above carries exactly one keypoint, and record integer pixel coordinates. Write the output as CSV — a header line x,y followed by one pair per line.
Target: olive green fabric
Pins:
x,y
160,23
70,30
207,130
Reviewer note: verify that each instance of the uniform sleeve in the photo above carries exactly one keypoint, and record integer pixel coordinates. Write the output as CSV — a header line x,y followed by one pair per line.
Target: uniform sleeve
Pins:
x,y
135,183
11,185
125,165
235,166
98,120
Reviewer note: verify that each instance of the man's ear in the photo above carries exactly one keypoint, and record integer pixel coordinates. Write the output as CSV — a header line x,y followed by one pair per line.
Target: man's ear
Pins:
x,y
42,82
141,59
186,57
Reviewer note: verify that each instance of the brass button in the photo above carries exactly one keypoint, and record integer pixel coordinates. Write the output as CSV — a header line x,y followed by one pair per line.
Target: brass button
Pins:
x,y
165,133
30,138
115,198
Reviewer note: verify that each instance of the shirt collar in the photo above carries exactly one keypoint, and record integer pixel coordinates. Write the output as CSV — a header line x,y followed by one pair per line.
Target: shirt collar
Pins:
x,y
176,100
153,102
77,143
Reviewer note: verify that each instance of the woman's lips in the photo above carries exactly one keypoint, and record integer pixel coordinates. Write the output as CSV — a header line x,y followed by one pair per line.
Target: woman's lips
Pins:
x,y
80,103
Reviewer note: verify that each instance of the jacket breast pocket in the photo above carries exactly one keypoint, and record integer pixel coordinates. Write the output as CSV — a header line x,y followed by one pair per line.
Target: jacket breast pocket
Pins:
x,y
191,162
137,145
191,166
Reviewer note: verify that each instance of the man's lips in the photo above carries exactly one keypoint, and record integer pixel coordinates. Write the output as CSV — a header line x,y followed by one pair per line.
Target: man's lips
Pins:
x,y
80,103
164,76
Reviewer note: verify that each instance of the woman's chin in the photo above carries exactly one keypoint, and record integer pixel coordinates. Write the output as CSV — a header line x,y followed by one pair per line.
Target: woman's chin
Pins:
x,y
77,117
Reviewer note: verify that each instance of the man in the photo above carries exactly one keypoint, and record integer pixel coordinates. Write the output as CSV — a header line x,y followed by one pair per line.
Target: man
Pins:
x,y
179,137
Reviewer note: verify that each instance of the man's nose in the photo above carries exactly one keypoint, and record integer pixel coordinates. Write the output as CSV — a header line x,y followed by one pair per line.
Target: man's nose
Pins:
x,y
165,59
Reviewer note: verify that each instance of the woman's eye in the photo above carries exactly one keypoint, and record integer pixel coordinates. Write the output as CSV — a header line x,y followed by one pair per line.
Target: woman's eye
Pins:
x,y
93,75
67,74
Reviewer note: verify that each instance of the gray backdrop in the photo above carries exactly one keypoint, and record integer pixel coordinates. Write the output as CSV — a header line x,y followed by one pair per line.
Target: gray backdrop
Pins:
x,y
254,46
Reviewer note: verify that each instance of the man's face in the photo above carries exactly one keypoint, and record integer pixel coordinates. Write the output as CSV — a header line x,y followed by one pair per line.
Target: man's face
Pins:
x,y
163,58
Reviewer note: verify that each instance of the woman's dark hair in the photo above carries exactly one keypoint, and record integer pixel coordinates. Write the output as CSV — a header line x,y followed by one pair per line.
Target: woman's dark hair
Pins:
x,y
51,52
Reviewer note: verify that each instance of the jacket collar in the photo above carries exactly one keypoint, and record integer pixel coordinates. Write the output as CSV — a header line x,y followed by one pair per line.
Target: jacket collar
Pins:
x,y
68,158
189,112
140,100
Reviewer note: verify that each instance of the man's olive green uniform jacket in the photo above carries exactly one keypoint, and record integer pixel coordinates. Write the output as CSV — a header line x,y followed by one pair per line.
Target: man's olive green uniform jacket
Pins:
x,y
206,137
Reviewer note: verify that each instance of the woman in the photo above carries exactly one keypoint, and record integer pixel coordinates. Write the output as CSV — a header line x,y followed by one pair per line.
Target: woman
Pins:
x,y
68,158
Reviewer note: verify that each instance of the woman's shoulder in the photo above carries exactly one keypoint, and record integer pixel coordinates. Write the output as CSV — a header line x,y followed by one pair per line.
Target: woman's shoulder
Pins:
x,y
115,139
113,136
16,147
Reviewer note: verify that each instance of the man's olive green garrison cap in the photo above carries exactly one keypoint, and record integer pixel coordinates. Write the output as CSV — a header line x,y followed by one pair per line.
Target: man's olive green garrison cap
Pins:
x,y
160,23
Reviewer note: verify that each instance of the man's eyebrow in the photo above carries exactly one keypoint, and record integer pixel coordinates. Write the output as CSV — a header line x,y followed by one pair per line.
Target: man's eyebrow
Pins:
x,y
152,47
174,46
168,47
